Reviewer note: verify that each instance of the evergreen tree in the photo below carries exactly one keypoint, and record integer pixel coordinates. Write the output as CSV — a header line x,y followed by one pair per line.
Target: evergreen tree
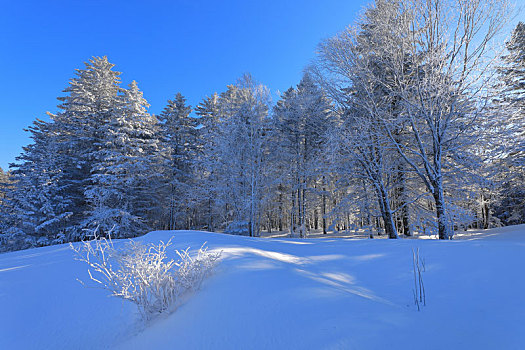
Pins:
x,y
511,112
92,166
38,199
206,179
91,103
123,173
513,76
235,155
208,112
302,118
179,132
145,157
4,208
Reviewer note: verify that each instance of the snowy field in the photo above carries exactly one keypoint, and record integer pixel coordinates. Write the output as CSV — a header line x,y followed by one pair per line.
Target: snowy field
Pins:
x,y
280,293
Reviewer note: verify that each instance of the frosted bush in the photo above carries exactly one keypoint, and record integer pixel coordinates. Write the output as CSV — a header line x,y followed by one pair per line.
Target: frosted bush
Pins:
x,y
144,274
192,270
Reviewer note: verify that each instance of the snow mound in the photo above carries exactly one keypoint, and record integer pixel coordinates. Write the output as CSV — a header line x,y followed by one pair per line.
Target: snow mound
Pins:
x,y
283,294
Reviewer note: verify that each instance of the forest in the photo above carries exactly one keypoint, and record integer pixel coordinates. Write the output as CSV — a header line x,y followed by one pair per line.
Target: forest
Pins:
x,y
409,122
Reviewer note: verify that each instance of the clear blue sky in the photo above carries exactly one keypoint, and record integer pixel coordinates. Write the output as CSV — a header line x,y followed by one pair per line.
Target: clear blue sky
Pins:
x,y
195,47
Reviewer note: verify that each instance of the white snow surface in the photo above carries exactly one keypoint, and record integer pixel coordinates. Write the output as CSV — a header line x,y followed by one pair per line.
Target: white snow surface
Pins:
x,y
331,293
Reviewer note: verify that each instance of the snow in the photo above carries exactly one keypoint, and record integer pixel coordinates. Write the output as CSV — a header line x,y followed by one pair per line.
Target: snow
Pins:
x,y
277,293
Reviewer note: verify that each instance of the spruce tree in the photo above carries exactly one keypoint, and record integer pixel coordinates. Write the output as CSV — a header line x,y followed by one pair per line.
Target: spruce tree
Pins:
x,y
206,179
37,198
123,173
302,119
90,104
513,95
4,208
511,113
179,137
235,158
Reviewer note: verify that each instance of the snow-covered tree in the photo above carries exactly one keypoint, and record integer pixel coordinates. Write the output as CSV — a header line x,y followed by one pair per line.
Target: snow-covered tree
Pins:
x,y
5,211
206,178
512,74
446,101
234,155
179,135
361,151
510,117
38,198
4,183
93,165
359,61
89,106
431,76
302,118
121,192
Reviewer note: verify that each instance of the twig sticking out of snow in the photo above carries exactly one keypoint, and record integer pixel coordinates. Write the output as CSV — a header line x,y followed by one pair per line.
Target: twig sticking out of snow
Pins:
x,y
419,287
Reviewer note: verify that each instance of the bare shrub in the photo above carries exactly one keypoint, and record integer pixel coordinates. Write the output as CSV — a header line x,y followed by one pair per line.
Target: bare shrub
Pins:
x,y
144,274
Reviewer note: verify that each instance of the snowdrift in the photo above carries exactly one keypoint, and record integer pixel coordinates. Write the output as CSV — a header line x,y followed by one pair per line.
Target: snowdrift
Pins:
x,y
284,294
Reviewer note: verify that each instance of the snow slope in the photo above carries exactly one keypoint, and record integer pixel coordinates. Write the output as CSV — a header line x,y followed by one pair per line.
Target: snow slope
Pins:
x,y
284,294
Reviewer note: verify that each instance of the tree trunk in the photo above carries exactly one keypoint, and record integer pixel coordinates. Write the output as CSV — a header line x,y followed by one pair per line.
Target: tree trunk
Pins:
x,y
390,227
406,223
443,227
280,208
485,211
324,209
303,210
210,217
293,215
401,202
386,213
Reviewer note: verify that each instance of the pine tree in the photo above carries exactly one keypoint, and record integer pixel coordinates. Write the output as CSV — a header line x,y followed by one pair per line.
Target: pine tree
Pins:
x,y
208,112
90,104
37,198
179,132
511,112
94,166
4,183
4,208
123,173
235,155
513,76
303,117
206,179
144,157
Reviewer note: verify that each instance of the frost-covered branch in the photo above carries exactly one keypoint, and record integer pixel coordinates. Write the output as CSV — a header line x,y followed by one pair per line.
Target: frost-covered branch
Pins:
x,y
144,274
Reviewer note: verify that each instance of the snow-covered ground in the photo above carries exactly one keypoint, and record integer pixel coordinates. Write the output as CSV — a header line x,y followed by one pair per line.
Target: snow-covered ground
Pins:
x,y
279,293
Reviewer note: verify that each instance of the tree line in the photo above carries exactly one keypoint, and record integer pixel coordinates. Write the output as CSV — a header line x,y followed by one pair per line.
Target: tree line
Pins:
x,y
407,122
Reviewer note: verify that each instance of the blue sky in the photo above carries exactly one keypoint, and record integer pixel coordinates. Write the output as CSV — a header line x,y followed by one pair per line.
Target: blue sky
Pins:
x,y
195,47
